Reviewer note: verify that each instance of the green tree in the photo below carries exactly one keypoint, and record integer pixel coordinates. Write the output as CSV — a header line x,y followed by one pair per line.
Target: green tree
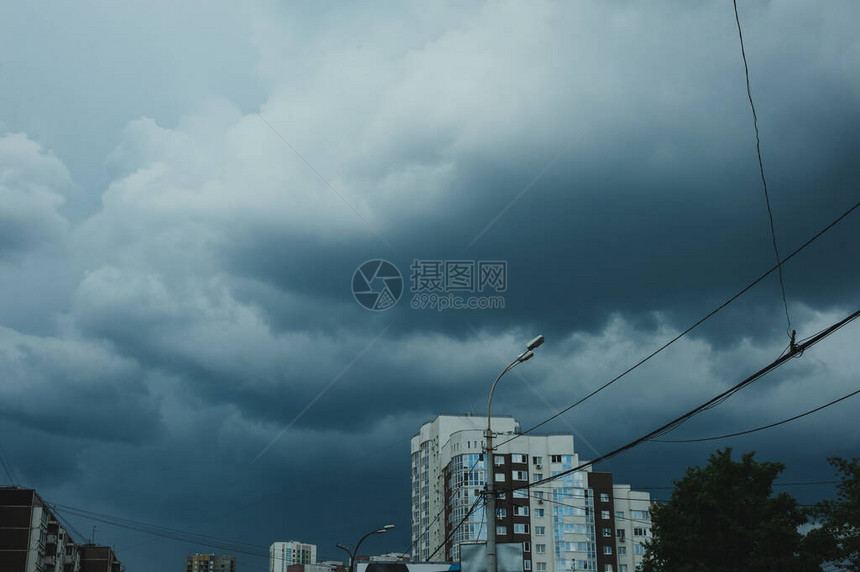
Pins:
x,y
840,518
724,517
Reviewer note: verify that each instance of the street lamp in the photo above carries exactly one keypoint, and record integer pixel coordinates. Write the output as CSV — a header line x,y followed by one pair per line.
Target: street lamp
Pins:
x,y
354,554
489,460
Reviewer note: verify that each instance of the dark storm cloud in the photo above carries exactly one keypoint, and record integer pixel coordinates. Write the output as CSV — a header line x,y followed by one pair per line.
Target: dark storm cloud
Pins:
x,y
74,388
657,205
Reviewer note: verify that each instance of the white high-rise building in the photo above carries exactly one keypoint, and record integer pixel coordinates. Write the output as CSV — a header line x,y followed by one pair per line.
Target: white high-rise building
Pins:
x,y
283,554
580,521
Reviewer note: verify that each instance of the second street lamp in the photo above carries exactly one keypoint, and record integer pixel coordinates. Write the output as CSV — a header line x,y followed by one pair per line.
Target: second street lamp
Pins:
x,y
489,460
353,554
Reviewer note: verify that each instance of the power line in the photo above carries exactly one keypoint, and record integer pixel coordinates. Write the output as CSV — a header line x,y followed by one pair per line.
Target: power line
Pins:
x,y
795,350
762,428
477,502
449,498
453,530
761,168
65,522
593,510
807,483
7,467
691,328
236,546
164,532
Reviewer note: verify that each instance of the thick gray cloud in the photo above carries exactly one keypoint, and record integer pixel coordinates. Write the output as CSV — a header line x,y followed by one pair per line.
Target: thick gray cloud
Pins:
x,y
181,214
31,185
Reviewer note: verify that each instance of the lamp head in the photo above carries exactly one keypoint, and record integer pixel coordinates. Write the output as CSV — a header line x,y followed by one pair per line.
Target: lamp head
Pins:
x,y
388,526
535,343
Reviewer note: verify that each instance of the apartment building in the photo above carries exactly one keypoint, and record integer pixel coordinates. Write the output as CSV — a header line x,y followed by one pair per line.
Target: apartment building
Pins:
x,y
210,563
99,559
289,553
32,538
575,522
632,525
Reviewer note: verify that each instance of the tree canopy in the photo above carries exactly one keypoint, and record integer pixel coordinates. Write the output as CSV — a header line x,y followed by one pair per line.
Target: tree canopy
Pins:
x,y
725,517
840,518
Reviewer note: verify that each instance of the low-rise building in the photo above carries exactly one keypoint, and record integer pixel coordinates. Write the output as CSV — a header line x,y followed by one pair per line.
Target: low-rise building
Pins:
x,y
282,555
210,563
96,558
32,537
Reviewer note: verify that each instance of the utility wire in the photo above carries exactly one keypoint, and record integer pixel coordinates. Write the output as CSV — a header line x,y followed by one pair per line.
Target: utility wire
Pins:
x,y
761,168
592,509
689,329
450,497
762,428
7,467
807,483
239,547
795,350
81,539
453,530
164,532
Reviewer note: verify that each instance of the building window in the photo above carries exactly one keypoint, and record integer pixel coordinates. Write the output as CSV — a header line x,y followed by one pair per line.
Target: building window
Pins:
x,y
500,477
518,458
503,496
641,515
541,566
499,459
539,495
501,530
501,513
555,458
521,510
521,494
540,530
604,497
607,532
527,546
538,477
640,532
604,514
521,528
622,568
537,460
607,549
622,551
607,568
540,512
527,564
619,514
638,549
540,548
520,476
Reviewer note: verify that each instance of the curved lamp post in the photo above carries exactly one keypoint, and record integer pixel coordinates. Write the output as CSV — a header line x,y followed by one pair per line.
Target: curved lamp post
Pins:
x,y
354,554
489,460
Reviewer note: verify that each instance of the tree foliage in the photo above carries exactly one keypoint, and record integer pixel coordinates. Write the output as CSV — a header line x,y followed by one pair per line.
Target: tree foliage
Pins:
x,y
840,518
724,517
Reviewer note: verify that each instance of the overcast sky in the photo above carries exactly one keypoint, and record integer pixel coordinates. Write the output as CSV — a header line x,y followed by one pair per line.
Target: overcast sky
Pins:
x,y
186,190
